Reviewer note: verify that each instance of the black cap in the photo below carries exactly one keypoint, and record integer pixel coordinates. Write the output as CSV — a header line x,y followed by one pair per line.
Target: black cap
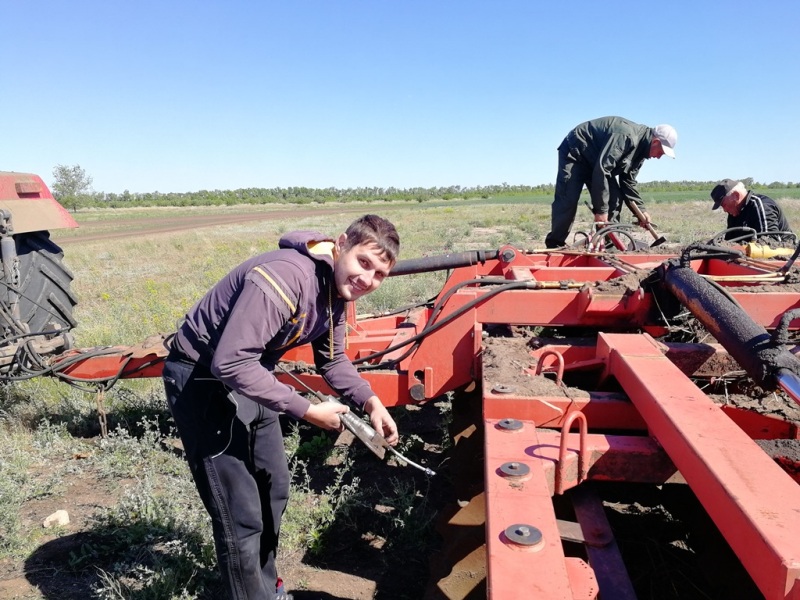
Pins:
x,y
722,189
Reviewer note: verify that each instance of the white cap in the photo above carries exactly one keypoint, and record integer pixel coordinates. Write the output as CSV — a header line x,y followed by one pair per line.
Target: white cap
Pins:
x,y
668,137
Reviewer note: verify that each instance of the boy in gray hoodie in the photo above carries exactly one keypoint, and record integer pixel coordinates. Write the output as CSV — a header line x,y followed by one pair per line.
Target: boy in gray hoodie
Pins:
x,y
225,399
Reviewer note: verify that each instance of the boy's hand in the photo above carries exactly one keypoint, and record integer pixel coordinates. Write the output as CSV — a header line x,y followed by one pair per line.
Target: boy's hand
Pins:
x,y
326,415
381,420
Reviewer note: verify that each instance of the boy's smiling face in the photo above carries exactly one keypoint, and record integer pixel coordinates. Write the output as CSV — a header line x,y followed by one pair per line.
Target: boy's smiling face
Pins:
x,y
359,270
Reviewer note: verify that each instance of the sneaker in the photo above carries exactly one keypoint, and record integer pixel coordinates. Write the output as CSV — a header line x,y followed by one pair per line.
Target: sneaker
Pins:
x,y
280,591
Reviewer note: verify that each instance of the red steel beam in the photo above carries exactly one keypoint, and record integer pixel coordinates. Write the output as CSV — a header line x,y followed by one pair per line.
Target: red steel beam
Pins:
x,y
603,410
755,505
126,362
525,557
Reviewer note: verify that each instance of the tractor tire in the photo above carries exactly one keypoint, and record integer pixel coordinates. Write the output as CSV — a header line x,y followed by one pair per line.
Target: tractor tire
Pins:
x,y
46,298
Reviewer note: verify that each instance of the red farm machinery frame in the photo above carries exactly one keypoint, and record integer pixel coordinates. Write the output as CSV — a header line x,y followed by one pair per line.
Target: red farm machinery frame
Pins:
x,y
639,416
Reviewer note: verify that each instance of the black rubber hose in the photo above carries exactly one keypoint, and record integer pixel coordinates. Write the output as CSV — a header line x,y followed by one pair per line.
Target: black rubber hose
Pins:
x,y
745,340
709,251
442,262
781,334
749,233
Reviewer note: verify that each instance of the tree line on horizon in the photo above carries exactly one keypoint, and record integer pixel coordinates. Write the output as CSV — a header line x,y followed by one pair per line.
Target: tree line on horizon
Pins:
x,y
72,187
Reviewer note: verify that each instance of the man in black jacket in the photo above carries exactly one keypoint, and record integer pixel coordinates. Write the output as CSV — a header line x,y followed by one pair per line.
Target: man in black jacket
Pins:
x,y
748,209
604,154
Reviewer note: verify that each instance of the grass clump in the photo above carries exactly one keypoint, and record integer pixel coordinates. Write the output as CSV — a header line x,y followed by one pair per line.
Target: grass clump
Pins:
x,y
154,544
122,455
14,491
311,511
31,469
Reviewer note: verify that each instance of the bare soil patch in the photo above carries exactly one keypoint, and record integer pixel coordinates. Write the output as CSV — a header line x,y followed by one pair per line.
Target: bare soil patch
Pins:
x,y
45,572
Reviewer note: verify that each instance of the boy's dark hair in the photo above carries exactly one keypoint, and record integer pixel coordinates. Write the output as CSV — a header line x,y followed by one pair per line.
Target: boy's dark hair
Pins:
x,y
375,229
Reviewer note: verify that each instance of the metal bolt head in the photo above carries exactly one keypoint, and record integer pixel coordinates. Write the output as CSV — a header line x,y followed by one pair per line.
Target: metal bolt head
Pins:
x,y
508,255
524,535
417,392
502,388
514,469
510,424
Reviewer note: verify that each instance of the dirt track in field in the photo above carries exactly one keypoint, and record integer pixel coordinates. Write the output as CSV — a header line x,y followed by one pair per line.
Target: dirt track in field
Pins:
x,y
98,231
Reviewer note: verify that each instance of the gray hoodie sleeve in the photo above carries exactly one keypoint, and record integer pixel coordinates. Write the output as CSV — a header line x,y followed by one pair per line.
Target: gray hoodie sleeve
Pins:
x,y
253,322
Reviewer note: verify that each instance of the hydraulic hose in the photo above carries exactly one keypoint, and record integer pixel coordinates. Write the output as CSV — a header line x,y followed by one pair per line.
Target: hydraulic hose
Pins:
x,y
709,251
612,230
748,233
442,262
746,341
501,285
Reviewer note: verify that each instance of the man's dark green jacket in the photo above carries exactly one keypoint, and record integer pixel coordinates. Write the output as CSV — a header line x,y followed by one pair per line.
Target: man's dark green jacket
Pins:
x,y
611,147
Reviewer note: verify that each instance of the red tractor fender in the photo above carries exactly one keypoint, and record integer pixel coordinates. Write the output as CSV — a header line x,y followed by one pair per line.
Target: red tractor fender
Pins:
x,y
31,204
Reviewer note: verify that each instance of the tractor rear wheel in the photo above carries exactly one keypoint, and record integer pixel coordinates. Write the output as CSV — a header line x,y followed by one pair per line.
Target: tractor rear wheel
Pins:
x,y
46,298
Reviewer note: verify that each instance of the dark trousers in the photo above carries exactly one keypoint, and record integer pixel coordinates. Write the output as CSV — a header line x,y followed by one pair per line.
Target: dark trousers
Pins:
x,y
235,451
572,175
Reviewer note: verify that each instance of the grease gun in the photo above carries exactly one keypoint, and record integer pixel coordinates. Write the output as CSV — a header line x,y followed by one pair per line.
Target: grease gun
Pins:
x,y
359,428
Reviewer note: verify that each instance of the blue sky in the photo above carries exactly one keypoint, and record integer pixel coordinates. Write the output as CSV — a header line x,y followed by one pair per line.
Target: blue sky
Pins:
x,y
178,96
